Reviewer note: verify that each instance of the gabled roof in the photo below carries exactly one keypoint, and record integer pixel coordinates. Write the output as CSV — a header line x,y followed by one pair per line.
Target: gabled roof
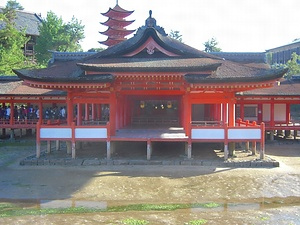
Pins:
x,y
152,50
28,21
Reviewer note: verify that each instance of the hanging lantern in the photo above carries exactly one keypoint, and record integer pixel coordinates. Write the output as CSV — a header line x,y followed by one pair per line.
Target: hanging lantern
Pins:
x,y
142,104
169,104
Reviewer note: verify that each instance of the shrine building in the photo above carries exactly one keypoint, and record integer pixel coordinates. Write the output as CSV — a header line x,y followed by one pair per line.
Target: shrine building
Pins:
x,y
151,88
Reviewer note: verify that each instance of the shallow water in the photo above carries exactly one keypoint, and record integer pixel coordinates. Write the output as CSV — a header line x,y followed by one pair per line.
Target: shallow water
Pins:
x,y
250,211
240,196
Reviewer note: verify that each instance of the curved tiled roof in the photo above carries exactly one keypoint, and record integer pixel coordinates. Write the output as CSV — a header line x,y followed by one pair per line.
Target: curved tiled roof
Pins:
x,y
283,88
13,85
184,59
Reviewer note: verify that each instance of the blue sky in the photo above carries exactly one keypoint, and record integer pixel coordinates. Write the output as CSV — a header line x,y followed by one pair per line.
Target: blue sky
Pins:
x,y
238,25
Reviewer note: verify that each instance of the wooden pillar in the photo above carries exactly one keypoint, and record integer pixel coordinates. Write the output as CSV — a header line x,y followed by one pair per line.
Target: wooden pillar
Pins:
x,y
98,109
188,149
187,114
272,135
79,114
87,113
272,114
226,152
93,111
57,145
149,149
40,111
262,142
224,113
48,147
231,114
38,149
110,148
288,113
12,134
253,148
113,113
38,141
247,146
69,147
70,113
231,148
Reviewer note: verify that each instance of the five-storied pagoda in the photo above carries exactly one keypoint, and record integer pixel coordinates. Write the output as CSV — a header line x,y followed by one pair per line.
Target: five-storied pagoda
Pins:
x,y
116,22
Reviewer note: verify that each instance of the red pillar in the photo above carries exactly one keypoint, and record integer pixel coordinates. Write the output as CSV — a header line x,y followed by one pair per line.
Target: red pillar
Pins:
x,y
69,108
224,113
12,116
79,114
98,109
272,116
187,114
112,113
87,113
288,113
231,114
40,112
93,111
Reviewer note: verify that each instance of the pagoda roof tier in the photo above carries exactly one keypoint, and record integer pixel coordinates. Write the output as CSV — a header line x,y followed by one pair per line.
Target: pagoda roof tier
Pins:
x,y
117,23
117,12
112,41
110,32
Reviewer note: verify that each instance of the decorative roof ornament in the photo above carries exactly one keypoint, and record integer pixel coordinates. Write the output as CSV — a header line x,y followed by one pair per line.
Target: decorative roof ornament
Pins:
x,y
151,23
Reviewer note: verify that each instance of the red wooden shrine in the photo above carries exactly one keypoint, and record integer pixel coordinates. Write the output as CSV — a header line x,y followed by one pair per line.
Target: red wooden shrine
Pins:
x,y
152,88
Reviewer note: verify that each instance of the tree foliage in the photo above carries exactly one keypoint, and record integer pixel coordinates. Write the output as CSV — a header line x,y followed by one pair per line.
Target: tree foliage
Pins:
x,y
211,46
293,65
11,41
175,34
56,35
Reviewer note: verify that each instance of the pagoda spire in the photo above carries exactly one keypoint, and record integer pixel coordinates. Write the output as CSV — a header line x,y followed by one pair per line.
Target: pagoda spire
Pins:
x,y
116,23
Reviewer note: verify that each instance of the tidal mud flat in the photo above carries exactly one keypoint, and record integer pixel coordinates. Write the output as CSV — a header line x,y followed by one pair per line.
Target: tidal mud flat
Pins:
x,y
236,195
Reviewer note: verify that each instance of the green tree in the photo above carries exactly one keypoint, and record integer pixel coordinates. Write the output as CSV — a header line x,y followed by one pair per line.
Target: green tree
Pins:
x,y
211,46
56,35
175,34
293,65
10,10
11,43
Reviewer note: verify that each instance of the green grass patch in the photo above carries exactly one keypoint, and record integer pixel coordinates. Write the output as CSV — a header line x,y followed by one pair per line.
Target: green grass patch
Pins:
x,y
196,222
9,209
131,221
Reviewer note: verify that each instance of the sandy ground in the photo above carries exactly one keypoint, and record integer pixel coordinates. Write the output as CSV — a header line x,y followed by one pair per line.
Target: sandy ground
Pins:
x,y
247,195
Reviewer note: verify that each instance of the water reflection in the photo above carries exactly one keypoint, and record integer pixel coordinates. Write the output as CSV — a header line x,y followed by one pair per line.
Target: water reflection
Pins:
x,y
48,204
227,206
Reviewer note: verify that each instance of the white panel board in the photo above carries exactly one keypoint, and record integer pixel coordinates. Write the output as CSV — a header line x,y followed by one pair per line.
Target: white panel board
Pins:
x,y
210,134
244,134
55,133
90,133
